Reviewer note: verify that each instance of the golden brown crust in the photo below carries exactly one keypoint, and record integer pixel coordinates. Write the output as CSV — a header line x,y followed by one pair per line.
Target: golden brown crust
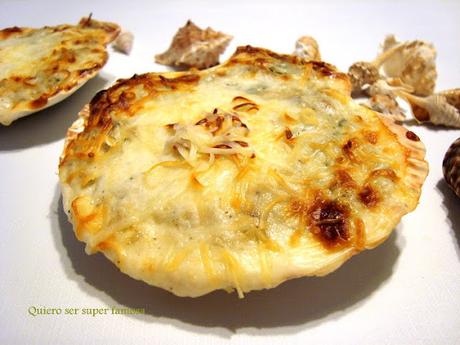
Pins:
x,y
13,31
112,30
250,55
120,96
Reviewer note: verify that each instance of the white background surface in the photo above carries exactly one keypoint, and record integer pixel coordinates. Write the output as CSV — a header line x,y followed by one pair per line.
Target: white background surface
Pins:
x,y
407,291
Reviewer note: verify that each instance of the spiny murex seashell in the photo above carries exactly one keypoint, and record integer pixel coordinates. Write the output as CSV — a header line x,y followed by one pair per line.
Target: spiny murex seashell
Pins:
x,y
194,47
442,108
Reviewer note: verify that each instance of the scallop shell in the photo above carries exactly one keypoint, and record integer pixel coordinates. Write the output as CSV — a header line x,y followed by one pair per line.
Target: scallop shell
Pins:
x,y
451,167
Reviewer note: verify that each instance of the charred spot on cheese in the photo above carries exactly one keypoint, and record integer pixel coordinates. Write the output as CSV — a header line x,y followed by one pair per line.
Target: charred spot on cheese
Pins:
x,y
348,148
368,196
387,173
324,68
329,223
173,82
371,137
11,30
39,102
412,136
5,33
345,180
288,134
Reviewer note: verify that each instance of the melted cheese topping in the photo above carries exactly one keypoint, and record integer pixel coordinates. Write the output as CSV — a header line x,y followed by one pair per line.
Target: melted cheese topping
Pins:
x,y
38,64
241,176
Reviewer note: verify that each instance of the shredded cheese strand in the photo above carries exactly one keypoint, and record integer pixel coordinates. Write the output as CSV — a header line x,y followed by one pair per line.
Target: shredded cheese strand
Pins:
x,y
164,164
281,181
234,268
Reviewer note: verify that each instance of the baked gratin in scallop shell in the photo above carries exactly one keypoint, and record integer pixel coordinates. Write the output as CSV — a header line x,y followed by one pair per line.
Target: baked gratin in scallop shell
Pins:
x,y
41,67
238,177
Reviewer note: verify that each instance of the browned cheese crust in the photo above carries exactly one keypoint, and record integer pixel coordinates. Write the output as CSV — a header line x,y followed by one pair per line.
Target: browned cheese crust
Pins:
x,y
238,177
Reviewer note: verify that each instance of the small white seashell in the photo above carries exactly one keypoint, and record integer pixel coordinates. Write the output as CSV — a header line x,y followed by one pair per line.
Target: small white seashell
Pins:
x,y
124,42
307,48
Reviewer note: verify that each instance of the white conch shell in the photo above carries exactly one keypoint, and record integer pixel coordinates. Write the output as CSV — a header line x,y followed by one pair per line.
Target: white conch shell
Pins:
x,y
124,42
441,108
414,63
307,48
